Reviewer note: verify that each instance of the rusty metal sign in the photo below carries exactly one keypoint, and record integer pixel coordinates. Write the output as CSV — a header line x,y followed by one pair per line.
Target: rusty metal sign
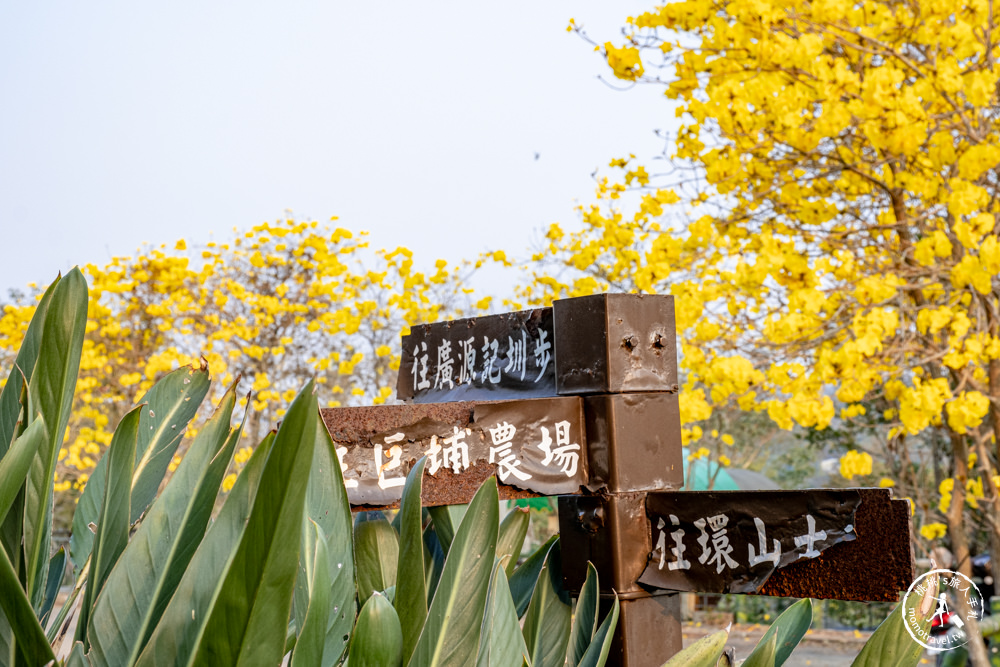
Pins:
x,y
733,541
536,445
480,358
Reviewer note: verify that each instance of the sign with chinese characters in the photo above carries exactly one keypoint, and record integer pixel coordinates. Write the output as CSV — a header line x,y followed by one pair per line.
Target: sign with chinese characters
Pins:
x,y
731,542
480,358
536,445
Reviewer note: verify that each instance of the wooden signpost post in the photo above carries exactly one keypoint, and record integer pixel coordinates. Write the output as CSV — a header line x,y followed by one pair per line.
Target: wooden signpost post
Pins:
x,y
579,401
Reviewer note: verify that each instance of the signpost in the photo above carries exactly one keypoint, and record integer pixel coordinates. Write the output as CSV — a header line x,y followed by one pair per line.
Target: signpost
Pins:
x,y
580,401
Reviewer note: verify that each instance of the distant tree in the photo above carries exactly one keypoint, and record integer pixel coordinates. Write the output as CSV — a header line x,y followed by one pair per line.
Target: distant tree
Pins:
x,y
825,217
278,304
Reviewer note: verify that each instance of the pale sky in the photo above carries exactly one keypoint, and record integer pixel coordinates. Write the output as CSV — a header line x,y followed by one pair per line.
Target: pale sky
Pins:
x,y
131,122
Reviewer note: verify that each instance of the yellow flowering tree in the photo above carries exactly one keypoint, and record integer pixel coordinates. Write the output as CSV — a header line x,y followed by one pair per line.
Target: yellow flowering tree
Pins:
x,y
279,303
825,217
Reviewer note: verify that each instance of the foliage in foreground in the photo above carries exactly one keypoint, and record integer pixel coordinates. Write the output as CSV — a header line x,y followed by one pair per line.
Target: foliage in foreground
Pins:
x,y
890,644
281,571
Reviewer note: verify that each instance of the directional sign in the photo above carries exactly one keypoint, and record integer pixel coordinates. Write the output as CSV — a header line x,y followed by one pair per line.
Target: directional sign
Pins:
x,y
479,358
592,415
732,541
599,344
536,445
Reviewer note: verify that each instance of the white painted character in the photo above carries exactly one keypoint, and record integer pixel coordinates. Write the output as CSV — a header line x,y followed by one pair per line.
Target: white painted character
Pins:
x,y
445,365
420,380
679,563
502,453
763,556
566,454
718,552
810,539
542,353
456,452
432,453
394,453
467,358
516,358
491,352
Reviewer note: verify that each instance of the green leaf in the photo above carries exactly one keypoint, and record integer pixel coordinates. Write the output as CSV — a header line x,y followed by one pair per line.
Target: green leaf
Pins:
x,y
600,646
50,390
328,506
15,464
501,643
789,629
27,355
451,633
28,633
77,658
584,618
522,582
376,551
891,645
547,623
411,587
171,403
765,653
183,622
378,639
433,559
703,653
54,577
247,623
445,519
149,569
311,640
112,524
513,530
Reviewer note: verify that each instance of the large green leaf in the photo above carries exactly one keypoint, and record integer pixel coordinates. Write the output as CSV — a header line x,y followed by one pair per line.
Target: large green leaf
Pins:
x,y
411,587
51,388
28,632
182,623
247,624
112,523
501,643
703,653
445,519
584,618
524,579
311,640
433,559
77,658
891,645
451,633
328,506
513,530
376,551
765,653
54,577
547,623
10,395
378,639
600,646
789,629
15,464
171,403
149,569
